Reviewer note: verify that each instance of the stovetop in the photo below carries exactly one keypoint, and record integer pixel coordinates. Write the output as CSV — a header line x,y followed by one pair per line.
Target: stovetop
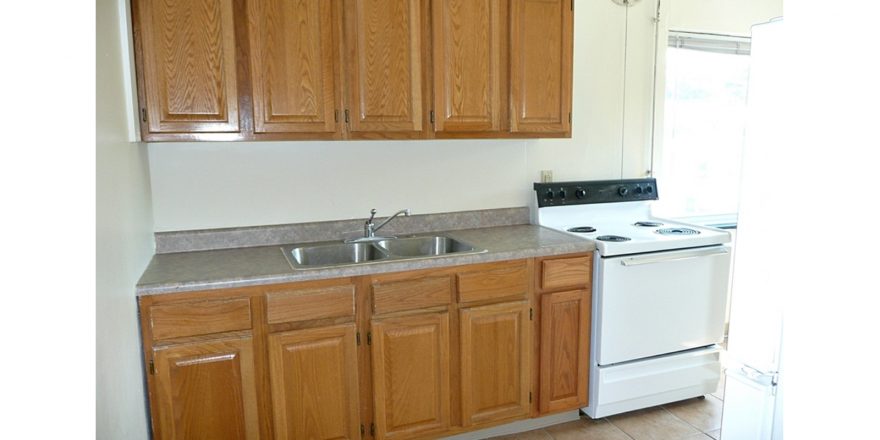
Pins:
x,y
618,217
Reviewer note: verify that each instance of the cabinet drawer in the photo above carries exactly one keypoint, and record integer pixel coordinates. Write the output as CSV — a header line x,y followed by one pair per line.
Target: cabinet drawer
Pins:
x,y
501,280
200,317
412,294
294,305
566,272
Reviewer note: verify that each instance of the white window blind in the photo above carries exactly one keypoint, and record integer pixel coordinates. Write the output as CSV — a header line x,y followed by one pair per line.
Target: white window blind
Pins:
x,y
710,42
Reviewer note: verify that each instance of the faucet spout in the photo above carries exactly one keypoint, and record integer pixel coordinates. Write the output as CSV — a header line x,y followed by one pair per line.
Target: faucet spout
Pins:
x,y
405,213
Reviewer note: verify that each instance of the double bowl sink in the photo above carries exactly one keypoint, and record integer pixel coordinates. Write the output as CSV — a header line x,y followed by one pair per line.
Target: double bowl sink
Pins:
x,y
312,256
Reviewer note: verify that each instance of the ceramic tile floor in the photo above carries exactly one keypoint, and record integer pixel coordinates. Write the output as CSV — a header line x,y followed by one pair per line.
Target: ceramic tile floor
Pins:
x,y
692,419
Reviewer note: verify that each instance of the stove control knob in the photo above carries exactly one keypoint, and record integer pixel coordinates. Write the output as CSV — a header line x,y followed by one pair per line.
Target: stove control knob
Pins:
x,y
622,191
649,189
580,193
549,194
562,193
638,189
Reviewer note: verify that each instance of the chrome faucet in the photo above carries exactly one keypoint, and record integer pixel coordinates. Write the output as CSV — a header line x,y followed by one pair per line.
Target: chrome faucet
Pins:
x,y
370,229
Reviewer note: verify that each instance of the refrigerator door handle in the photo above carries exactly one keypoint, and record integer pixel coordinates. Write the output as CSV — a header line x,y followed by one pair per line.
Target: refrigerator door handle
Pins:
x,y
757,375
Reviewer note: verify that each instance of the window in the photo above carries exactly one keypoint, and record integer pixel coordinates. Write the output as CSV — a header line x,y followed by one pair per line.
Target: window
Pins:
x,y
704,126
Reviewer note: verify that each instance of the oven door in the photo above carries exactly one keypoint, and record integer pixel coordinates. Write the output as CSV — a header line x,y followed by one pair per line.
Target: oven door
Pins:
x,y
658,303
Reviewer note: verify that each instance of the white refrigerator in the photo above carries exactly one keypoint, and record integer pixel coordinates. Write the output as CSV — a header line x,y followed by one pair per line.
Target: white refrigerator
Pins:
x,y
754,376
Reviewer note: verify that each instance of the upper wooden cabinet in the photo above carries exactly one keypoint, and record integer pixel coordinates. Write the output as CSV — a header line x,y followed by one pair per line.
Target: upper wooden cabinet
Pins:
x,y
541,65
470,74
294,50
353,69
386,64
187,66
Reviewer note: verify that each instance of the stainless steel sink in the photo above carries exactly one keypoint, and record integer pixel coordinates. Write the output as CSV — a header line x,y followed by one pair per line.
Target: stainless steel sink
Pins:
x,y
424,246
334,254
386,249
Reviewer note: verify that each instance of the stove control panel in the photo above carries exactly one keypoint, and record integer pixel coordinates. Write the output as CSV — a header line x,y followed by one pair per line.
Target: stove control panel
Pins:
x,y
595,191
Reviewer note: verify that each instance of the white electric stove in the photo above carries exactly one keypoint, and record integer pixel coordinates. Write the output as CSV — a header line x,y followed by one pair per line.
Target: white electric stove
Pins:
x,y
659,293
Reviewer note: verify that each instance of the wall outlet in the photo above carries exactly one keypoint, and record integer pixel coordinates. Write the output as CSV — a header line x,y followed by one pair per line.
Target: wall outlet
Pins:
x,y
546,176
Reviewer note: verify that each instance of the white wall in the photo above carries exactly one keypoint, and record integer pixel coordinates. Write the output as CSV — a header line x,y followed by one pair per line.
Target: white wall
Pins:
x,y
124,241
213,185
730,17
613,87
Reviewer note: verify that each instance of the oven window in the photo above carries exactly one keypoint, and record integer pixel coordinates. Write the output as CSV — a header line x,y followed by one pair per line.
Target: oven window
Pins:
x,y
704,118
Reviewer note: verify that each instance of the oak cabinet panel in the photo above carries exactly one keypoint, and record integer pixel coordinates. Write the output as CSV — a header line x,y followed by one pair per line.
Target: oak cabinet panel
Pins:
x,y
540,65
411,375
189,72
294,46
353,69
206,390
494,281
315,384
469,64
298,305
565,350
495,359
202,317
385,64
570,273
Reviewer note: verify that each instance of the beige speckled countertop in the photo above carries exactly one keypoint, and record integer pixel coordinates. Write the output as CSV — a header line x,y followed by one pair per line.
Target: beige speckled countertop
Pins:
x,y
229,268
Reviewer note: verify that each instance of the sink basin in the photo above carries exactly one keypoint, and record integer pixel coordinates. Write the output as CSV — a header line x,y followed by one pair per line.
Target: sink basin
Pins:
x,y
334,254
424,246
384,249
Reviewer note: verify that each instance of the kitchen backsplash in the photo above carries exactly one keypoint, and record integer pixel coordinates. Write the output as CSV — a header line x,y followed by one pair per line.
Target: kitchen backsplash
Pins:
x,y
227,238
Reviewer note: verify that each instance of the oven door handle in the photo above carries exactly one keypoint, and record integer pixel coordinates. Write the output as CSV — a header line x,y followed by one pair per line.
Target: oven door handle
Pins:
x,y
636,261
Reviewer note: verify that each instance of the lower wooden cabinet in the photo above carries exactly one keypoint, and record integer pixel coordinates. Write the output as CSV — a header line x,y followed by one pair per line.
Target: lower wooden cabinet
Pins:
x,y
495,359
410,355
411,374
565,350
315,384
206,390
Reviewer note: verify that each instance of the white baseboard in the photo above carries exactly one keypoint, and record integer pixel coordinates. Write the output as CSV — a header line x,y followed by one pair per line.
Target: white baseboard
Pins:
x,y
518,426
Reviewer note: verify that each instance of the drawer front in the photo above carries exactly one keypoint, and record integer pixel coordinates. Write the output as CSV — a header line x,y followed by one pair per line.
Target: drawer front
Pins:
x,y
412,294
294,305
504,280
200,318
566,272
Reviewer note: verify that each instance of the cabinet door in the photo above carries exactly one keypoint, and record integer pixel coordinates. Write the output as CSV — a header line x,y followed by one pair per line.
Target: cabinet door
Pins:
x,y
411,375
565,350
206,390
385,43
541,62
315,384
495,348
469,36
294,45
188,66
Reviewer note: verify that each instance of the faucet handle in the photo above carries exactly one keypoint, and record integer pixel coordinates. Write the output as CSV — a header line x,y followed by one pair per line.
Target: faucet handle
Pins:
x,y
372,214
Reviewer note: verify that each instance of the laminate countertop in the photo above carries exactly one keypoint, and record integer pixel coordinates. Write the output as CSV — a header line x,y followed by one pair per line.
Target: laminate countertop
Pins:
x,y
253,266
